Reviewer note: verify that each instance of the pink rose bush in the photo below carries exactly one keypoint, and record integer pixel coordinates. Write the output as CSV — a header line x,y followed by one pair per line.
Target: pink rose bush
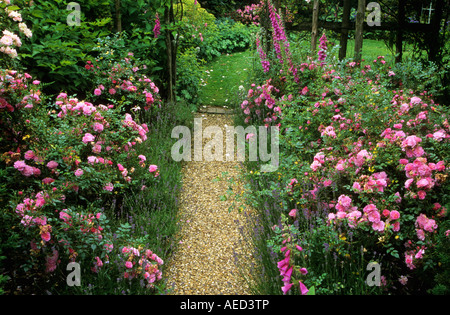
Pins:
x,y
249,14
261,104
141,264
65,163
123,82
360,160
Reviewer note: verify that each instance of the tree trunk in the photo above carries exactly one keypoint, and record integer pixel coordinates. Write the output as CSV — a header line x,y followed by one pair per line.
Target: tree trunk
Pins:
x,y
360,13
434,42
344,30
174,54
399,38
171,54
118,17
169,62
315,26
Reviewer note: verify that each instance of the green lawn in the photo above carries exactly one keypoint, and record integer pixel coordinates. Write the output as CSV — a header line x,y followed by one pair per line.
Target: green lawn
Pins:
x,y
223,77
225,73
373,48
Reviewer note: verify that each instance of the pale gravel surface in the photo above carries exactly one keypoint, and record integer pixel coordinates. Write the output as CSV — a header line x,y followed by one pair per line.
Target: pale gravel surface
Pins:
x,y
205,260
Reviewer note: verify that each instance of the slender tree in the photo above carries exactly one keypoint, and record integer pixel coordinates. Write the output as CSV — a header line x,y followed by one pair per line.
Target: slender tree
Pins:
x,y
118,18
359,29
171,52
344,30
401,24
315,26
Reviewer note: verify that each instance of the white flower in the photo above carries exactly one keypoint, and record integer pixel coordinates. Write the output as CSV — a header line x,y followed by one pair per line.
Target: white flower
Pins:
x,y
6,40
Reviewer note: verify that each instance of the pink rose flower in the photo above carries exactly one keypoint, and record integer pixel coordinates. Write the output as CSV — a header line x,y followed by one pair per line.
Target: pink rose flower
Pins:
x,y
415,100
374,216
29,155
88,138
19,165
98,127
293,213
439,135
79,172
394,215
48,180
378,226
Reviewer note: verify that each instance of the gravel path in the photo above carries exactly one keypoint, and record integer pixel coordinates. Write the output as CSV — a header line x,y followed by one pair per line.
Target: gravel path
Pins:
x,y
205,262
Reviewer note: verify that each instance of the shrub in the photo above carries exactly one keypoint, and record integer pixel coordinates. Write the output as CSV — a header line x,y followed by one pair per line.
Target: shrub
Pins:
x,y
190,72
57,50
123,83
225,36
62,167
11,23
365,171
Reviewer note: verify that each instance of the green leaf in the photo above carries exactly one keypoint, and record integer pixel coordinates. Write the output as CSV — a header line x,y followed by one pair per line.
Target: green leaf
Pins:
x,y
312,291
37,13
13,8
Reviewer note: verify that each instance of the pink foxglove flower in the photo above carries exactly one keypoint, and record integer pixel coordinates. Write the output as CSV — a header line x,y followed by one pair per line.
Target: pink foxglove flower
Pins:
x,y
157,28
303,289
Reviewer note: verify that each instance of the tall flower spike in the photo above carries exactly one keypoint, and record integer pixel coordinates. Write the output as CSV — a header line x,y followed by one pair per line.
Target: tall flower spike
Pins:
x,y
323,48
157,28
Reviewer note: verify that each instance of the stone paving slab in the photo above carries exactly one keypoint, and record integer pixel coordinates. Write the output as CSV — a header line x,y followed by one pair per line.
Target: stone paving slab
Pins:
x,y
215,110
